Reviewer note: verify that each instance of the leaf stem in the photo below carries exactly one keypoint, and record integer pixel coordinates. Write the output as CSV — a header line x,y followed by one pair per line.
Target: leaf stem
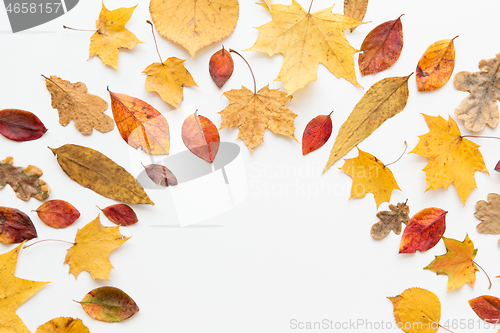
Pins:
x,y
404,151
47,240
58,86
156,44
480,136
475,263
65,27
310,6
251,71
330,113
444,328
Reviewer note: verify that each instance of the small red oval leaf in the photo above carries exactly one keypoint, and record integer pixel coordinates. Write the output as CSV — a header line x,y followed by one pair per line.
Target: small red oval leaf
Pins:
x,y
57,213
221,67
109,304
316,133
120,214
19,125
424,230
15,226
200,135
487,308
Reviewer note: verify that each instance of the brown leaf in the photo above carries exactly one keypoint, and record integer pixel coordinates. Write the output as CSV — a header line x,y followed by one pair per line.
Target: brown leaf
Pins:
x,y
423,231
435,67
316,133
391,220
15,226
19,125
120,214
57,213
489,214
25,182
487,308
355,9
480,107
221,67
63,325
109,304
160,175
201,136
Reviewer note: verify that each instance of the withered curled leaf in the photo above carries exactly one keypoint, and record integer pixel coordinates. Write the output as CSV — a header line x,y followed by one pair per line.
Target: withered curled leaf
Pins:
x,y
15,226
391,220
25,182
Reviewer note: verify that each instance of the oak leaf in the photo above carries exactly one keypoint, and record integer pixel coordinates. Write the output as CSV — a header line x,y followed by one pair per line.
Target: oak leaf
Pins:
x,y
452,158
20,125
252,113
201,137
140,124
458,263
489,214
57,213
109,304
355,9
424,230
15,226
369,174
25,182
73,102
487,308
63,325
111,35
435,67
480,108
91,249
14,292
317,132
194,23
391,220
417,310
383,100
168,79
306,40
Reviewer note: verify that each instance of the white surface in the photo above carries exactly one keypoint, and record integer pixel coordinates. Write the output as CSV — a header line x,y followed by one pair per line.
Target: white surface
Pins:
x,y
295,248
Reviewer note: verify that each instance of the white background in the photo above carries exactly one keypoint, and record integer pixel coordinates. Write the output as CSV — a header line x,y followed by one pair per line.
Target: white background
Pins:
x,y
296,247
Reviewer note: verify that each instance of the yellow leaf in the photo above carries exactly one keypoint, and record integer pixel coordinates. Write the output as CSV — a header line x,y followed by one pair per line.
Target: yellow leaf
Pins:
x,y
307,40
355,9
112,35
383,100
253,113
435,67
92,247
194,23
457,263
168,79
268,4
63,325
417,310
13,292
369,174
452,158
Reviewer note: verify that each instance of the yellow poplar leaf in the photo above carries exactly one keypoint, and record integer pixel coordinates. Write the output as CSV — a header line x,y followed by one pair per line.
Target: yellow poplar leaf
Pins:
x,y
355,9
253,113
306,40
168,79
435,67
63,325
417,310
91,249
383,100
111,35
369,174
457,263
452,158
14,292
194,23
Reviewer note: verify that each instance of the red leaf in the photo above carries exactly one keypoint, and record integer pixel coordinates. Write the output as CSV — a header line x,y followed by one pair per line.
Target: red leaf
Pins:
x,y
15,226
487,308
120,214
200,135
423,231
316,133
497,167
19,125
381,47
221,67
57,213
160,175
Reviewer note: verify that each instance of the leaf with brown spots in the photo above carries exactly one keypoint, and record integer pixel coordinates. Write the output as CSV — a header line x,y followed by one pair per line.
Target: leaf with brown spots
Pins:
x,y
109,304
63,325
423,231
57,213
19,125
120,214
391,220
487,308
489,214
435,67
221,67
25,182
15,226
201,137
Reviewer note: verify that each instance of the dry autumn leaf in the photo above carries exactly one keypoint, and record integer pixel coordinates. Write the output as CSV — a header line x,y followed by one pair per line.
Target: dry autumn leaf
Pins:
x,y
120,214
160,175
63,325
435,67
91,249
73,102
383,100
355,9
480,108
452,158
417,310
140,124
57,213
25,182
111,35
381,47
109,304
487,308
306,40
391,220
221,67
194,23
19,125
316,133
14,292
424,230
370,175
268,3
489,214
96,171
201,137
15,226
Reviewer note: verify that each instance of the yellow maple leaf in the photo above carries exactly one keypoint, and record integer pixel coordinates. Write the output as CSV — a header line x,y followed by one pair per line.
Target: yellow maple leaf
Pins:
x,y
13,292
91,249
458,263
252,113
370,175
112,35
452,158
168,79
307,40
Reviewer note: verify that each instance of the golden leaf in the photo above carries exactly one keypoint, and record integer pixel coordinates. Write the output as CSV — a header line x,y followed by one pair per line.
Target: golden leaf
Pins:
x,y
92,247
14,292
194,23
369,174
112,35
253,113
63,325
307,40
268,3
435,67
452,158
355,9
25,182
